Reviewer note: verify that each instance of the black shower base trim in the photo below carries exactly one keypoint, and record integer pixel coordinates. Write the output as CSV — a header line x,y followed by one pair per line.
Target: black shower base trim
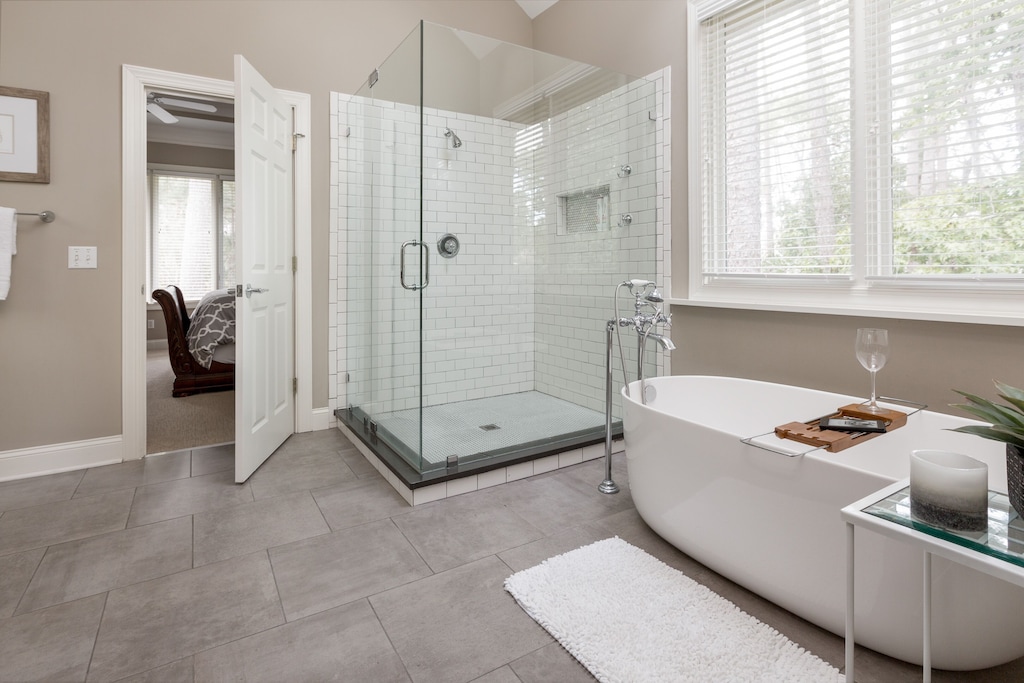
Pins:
x,y
378,442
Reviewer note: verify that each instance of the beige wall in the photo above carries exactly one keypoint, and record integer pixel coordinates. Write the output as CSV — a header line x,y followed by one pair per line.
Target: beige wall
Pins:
x,y
929,359
60,329
183,155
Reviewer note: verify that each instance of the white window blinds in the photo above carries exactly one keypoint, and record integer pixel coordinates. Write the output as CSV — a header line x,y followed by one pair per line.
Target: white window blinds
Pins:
x,y
942,125
947,83
776,131
192,232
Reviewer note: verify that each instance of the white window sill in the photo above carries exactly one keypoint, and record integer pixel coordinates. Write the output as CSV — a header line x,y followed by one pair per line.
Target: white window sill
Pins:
x,y
982,308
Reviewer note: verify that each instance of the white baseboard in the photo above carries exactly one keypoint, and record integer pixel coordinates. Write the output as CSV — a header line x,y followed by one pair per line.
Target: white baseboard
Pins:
x,y
78,455
314,421
61,457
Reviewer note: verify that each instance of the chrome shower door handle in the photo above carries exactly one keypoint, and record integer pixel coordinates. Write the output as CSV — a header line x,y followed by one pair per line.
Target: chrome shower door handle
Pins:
x,y
426,265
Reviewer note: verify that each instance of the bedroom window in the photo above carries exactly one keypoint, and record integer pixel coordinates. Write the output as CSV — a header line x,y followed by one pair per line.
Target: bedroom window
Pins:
x,y
870,149
192,235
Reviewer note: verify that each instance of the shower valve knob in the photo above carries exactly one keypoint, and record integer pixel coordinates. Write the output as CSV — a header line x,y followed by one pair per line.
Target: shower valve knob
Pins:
x,y
448,245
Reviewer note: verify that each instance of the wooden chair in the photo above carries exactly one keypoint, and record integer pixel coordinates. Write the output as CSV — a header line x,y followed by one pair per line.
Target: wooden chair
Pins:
x,y
189,376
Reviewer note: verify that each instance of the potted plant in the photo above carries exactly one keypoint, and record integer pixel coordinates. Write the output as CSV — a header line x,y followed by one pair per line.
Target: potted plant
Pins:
x,y
1007,426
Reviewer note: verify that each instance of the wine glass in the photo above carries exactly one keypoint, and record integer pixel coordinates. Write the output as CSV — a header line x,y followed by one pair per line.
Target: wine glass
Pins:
x,y
872,352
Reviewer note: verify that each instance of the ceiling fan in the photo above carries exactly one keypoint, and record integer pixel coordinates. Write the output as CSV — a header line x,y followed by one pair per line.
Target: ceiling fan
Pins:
x,y
155,102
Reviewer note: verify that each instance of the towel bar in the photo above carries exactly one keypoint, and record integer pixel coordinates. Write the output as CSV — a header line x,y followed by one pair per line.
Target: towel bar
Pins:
x,y
44,216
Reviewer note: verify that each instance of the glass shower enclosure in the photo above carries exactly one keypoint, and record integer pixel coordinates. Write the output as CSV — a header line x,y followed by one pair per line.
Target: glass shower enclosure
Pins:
x,y
493,198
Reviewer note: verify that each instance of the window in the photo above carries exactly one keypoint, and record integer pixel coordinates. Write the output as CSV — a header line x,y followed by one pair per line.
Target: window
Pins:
x,y
866,149
192,237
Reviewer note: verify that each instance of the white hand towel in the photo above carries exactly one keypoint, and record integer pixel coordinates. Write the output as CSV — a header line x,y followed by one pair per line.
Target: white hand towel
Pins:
x,y
8,247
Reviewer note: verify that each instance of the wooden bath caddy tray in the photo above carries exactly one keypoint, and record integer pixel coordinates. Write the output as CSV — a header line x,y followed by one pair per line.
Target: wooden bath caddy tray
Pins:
x,y
833,441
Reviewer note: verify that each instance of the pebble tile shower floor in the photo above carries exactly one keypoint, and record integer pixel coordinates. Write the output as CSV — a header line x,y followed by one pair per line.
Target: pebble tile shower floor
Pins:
x,y
163,569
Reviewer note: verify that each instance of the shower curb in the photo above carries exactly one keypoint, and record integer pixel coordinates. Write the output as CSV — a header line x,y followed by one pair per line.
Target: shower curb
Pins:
x,y
474,479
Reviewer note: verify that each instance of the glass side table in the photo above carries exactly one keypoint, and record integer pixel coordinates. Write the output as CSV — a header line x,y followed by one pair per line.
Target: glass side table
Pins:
x,y
997,551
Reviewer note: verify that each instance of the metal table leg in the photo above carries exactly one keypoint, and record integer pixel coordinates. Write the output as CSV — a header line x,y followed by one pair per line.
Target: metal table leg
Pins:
x,y
927,618
850,639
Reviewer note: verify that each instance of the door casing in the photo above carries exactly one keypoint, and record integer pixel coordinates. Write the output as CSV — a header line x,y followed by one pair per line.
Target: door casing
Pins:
x,y
134,83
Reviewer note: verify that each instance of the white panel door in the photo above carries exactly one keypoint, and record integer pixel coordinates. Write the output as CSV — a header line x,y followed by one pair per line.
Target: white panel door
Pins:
x,y
265,355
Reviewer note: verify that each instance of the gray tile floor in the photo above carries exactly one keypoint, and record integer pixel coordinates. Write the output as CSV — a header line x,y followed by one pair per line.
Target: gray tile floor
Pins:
x,y
315,570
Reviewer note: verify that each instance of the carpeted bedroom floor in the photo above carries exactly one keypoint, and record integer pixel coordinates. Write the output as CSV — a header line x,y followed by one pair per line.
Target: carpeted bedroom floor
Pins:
x,y
174,424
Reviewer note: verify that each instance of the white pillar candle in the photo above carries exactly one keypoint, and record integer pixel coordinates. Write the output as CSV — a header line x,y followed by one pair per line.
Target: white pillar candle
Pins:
x,y
949,490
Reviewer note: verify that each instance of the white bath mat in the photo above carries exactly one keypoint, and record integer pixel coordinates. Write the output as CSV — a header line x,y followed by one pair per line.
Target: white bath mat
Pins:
x,y
627,616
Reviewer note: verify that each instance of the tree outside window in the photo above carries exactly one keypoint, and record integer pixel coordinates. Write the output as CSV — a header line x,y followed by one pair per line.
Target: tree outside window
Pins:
x,y
940,120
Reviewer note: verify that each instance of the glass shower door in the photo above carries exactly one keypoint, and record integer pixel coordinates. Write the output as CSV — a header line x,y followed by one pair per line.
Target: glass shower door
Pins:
x,y
387,264
496,197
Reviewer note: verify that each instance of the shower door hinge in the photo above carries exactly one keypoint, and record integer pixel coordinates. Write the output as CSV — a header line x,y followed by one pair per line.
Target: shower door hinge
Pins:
x,y
295,385
295,264
295,138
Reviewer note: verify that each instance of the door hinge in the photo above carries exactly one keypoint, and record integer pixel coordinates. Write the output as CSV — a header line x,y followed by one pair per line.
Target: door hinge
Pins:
x,y
295,138
295,264
295,385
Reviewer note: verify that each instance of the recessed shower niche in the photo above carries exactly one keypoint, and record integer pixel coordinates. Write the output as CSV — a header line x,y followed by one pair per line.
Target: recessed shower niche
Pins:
x,y
584,211
458,134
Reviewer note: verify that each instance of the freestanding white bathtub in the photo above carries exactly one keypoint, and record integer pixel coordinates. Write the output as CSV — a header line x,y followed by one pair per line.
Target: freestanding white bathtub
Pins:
x,y
771,523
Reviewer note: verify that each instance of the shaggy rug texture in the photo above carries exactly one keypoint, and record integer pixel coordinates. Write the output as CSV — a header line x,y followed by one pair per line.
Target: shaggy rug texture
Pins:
x,y
627,616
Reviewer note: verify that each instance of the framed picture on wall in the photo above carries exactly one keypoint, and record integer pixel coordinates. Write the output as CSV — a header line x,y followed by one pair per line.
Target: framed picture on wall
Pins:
x,y
24,135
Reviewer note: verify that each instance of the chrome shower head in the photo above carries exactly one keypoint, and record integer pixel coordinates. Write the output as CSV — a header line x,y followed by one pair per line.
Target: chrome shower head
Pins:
x,y
654,296
456,142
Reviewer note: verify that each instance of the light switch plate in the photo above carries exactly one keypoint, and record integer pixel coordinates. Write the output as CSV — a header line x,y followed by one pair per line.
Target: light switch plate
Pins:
x,y
81,257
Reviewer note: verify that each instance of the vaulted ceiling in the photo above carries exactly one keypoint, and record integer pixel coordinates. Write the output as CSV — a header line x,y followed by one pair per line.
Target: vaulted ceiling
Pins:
x,y
216,130
535,7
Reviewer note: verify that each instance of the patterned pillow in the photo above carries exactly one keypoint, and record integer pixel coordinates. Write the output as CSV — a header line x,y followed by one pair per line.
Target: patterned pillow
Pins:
x,y
212,324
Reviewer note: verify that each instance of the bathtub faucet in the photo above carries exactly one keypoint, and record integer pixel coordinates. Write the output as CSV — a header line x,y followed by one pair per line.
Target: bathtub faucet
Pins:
x,y
647,313
663,341
643,322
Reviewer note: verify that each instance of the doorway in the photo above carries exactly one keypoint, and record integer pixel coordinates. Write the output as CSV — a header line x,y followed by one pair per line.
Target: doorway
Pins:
x,y
190,141
137,83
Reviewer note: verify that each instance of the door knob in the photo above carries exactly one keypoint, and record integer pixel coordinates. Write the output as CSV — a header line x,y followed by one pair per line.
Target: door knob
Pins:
x,y
250,290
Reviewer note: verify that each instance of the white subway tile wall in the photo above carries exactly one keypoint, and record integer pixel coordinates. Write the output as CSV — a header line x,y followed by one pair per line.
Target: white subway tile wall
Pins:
x,y
520,307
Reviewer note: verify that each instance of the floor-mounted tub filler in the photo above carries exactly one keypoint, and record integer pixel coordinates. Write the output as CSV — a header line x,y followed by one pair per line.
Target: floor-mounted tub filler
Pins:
x,y
771,523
